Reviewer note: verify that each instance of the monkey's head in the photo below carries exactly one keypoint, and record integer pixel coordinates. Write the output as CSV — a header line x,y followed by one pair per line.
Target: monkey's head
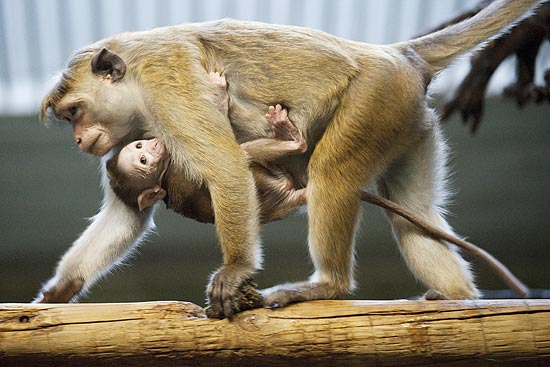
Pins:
x,y
136,173
96,96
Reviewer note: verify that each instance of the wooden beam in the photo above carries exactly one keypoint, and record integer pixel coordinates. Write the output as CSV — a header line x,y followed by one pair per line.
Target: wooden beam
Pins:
x,y
320,333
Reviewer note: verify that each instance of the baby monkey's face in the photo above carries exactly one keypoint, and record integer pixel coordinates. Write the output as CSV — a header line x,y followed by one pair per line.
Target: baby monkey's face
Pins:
x,y
144,158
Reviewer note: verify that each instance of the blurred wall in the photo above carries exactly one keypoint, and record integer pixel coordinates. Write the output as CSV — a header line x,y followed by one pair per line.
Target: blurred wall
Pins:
x,y
38,36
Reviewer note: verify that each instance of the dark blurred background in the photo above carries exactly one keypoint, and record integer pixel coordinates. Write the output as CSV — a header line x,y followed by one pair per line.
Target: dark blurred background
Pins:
x,y
48,188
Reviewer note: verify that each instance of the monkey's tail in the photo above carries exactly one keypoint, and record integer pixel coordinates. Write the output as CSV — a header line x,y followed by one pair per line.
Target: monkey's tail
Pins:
x,y
440,48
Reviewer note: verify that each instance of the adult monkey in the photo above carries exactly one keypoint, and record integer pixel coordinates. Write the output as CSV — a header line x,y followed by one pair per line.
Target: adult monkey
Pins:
x,y
361,108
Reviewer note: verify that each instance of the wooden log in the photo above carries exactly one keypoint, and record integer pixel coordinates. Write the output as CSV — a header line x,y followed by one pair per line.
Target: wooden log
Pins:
x,y
320,333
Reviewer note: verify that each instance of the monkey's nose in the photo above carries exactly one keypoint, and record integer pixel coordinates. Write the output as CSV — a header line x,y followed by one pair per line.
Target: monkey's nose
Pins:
x,y
78,141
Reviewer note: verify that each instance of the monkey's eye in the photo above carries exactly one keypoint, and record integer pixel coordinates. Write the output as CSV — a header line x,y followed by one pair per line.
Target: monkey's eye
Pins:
x,y
73,110
138,145
143,160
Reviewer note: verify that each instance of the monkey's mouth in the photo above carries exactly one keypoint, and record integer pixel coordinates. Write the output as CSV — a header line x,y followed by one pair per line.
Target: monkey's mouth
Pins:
x,y
95,148
90,148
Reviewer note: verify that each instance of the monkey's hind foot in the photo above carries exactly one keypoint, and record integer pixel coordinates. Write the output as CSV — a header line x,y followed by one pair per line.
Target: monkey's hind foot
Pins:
x,y
285,294
432,295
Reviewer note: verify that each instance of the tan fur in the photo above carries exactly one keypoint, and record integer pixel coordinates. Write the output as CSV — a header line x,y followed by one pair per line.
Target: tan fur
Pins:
x,y
360,107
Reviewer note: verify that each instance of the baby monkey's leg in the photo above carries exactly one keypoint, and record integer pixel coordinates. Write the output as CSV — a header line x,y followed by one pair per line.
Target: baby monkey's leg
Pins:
x,y
276,189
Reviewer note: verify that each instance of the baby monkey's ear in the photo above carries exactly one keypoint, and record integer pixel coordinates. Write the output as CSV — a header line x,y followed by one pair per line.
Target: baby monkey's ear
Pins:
x,y
150,196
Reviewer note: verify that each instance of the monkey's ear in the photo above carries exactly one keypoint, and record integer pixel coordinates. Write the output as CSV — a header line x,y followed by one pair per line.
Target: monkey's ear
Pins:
x,y
108,63
150,196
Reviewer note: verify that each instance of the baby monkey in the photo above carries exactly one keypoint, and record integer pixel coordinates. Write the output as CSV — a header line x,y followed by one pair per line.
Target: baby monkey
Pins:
x,y
140,175
140,172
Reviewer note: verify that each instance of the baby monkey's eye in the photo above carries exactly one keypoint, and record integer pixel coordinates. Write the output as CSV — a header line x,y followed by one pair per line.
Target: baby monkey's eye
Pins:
x,y
138,145
143,160
73,110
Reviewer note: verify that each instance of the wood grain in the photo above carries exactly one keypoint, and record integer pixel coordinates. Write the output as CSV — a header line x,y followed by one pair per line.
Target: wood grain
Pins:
x,y
320,333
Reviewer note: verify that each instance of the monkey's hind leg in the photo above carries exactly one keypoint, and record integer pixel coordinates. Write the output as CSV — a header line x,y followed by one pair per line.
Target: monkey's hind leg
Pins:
x,y
351,152
417,182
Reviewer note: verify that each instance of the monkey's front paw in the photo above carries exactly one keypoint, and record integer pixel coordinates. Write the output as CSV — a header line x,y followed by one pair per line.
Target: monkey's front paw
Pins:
x,y
61,292
231,291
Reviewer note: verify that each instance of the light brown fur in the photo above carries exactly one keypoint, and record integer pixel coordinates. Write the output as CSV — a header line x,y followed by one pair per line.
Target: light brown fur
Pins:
x,y
361,108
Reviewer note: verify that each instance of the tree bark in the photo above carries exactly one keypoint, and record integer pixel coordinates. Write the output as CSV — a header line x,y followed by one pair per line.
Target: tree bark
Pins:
x,y
320,333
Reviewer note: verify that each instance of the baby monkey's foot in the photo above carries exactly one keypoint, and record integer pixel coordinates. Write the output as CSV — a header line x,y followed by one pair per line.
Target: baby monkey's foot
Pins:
x,y
283,128
222,97
218,79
